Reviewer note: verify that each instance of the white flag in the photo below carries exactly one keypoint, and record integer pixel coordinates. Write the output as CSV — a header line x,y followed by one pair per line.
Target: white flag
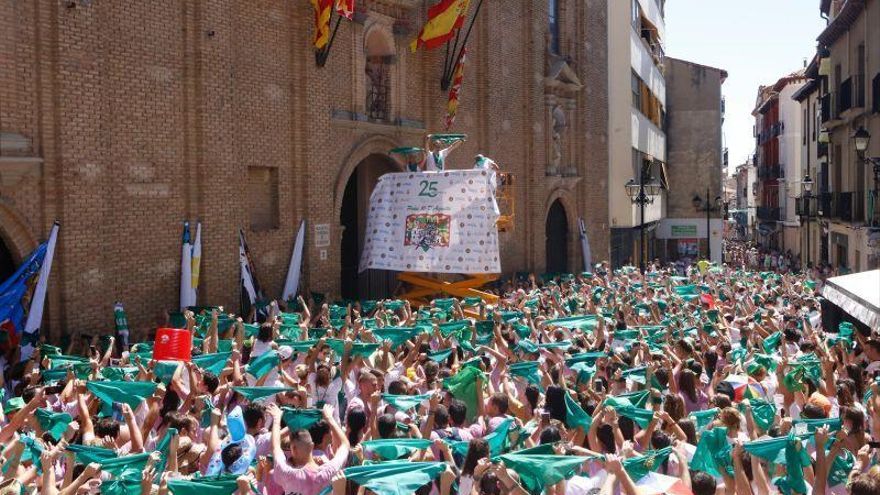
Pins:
x,y
585,245
291,285
247,280
35,314
196,264
186,290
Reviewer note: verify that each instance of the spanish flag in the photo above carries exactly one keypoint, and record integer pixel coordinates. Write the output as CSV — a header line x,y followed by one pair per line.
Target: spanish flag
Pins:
x,y
345,8
443,19
322,22
452,104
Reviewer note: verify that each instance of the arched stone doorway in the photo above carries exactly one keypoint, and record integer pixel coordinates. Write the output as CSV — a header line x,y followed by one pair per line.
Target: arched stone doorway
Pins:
x,y
371,284
556,232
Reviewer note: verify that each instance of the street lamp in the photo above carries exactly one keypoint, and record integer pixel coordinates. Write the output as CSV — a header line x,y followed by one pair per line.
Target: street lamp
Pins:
x,y
708,206
807,209
642,193
861,140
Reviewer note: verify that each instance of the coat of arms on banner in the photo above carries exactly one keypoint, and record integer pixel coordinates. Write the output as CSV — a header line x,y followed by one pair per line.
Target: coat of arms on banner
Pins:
x,y
426,231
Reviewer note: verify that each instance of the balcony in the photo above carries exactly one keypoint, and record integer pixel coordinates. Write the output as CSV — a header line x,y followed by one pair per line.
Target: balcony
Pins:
x,y
826,104
769,172
825,204
769,214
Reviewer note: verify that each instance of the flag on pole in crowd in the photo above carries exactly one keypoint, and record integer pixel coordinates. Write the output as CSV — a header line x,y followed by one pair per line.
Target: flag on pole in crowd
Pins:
x,y
291,285
585,246
345,8
186,270
455,90
22,297
121,321
443,20
250,288
322,22
196,263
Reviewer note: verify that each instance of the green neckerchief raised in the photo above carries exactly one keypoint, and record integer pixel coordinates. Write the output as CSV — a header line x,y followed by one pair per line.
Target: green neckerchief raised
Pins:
x,y
537,471
203,486
53,423
261,365
649,461
575,416
130,467
86,454
391,449
702,419
833,424
527,370
253,394
440,355
497,440
212,362
396,335
642,417
787,450
637,399
131,393
583,322
362,349
713,453
463,386
300,419
763,412
405,402
395,477
771,343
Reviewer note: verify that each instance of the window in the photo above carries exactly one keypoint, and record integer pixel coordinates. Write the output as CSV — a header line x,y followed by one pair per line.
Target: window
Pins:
x,y
378,87
859,79
806,127
553,20
263,198
636,85
875,93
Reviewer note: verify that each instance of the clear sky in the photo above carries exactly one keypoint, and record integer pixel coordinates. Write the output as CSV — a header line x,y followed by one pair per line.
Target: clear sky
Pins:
x,y
755,41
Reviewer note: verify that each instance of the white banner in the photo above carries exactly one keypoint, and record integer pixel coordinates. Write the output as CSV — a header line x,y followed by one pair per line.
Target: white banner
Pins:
x,y
434,222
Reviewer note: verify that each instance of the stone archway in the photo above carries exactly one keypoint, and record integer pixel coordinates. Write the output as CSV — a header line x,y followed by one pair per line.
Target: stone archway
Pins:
x,y
353,207
556,239
16,241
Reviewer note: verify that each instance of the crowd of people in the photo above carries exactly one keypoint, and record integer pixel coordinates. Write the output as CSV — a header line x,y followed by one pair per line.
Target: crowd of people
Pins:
x,y
721,380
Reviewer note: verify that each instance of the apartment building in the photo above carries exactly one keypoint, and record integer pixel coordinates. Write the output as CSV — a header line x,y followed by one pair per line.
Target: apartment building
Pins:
x,y
777,134
848,82
636,122
814,155
744,208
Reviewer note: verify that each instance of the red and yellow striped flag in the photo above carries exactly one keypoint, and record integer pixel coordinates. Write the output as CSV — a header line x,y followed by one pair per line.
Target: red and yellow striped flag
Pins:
x,y
322,22
458,77
443,19
345,8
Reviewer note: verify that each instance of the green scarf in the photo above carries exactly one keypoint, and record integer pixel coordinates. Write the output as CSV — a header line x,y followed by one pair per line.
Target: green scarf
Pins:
x,y
772,342
527,370
212,362
396,477
253,394
203,486
537,471
763,412
362,349
702,419
405,402
650,460
833,424
786,450
390,449
53,423
641,417
440,355
396,335
119,373
130,467
300,419
86,454
583,322
131,393
575,416
713,453
463,386
497,440
261,365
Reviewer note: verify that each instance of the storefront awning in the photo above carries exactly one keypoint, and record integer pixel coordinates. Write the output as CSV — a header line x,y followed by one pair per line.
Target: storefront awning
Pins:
x,y
858,294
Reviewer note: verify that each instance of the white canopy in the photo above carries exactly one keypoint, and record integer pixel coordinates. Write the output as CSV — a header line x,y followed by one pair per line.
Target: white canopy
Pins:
x,y
858,294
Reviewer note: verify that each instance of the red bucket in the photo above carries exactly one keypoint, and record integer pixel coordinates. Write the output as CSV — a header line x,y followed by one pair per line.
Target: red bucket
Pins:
x,y
172,344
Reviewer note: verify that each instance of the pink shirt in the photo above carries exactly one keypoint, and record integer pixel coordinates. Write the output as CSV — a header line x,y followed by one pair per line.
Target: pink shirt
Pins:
x,y
307,480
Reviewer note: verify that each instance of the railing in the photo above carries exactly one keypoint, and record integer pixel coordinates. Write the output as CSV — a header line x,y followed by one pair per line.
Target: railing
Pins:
x,y
825,204
825,105
771,172
378,88
768,213
845,101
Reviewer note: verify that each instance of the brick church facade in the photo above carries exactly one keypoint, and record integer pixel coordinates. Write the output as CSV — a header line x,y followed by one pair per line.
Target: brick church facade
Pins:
x,y
122,119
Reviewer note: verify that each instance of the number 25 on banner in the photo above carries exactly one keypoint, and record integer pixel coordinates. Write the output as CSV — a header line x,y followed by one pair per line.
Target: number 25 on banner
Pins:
x,y
429,188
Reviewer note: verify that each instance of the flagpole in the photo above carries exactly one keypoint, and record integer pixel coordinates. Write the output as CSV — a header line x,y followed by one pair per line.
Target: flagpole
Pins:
x,y
324,53
449,66
466,36
35,312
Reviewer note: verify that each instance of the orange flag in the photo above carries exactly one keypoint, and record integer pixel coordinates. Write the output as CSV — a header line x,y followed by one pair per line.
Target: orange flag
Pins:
x,y
452,104
345,8
443,19
322,22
